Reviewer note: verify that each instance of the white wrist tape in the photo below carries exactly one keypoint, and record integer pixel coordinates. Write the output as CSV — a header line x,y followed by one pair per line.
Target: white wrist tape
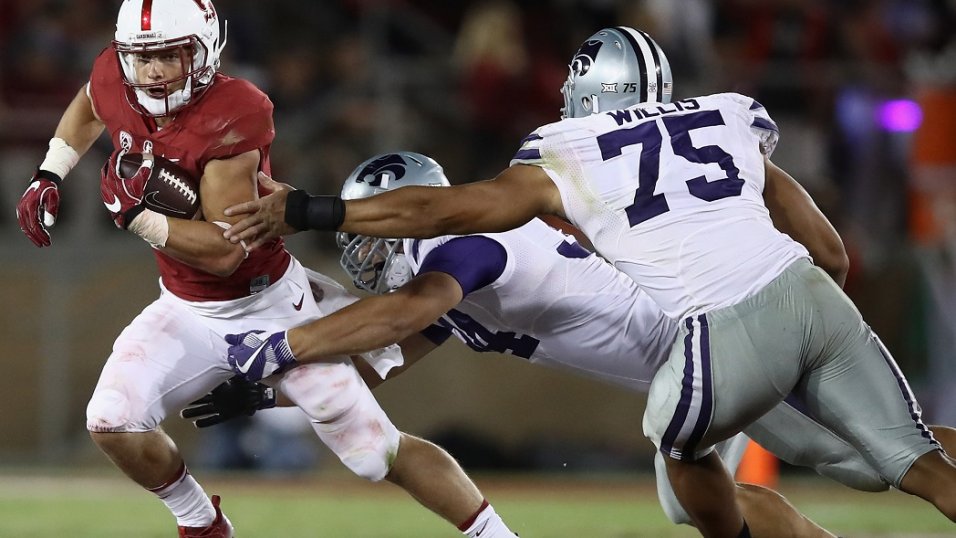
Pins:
x,y
151,226
60,158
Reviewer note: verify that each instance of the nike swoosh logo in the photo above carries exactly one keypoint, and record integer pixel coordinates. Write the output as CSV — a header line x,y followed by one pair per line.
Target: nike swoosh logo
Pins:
x,y
115,206
482,529
298,306
151,200
244,367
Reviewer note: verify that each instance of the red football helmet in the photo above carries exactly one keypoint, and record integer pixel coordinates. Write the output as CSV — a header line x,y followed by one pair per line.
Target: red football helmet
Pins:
x,y
186,28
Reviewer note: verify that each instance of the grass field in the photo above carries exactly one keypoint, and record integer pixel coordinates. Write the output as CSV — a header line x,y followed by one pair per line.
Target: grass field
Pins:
x,y
41,505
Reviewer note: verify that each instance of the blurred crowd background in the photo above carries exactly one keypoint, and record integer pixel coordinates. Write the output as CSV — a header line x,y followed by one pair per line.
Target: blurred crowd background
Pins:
x,y
864,92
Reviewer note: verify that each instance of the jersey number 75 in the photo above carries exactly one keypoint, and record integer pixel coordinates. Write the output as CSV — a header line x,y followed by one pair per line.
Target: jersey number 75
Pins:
x,y
648,205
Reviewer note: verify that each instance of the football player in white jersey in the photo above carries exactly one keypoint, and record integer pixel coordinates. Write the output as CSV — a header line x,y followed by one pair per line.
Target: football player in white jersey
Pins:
x,y
671,194
534,293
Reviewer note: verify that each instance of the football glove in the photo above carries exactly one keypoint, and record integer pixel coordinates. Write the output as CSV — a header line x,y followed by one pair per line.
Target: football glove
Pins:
x,y
38,207
233,398
123,197
255,357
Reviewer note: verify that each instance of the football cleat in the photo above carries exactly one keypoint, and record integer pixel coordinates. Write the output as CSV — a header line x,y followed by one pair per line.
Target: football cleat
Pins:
x,y
219,528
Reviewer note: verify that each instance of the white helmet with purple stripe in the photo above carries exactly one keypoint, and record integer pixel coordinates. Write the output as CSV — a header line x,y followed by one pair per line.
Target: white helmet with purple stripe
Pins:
x,y
374,264
616,68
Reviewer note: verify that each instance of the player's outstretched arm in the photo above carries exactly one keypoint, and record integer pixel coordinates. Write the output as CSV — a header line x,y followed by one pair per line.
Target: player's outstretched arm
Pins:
x,y
514,197
237,397
795,214
363,326
517,195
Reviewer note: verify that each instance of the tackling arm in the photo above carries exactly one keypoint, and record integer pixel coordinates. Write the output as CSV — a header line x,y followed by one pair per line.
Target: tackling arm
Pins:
x,y
377,321
199,243
514,197
795,214
517,195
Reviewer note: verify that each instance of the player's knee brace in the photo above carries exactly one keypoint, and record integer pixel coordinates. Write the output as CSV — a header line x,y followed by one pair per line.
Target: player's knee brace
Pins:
x,y
107,411
364,439
345,416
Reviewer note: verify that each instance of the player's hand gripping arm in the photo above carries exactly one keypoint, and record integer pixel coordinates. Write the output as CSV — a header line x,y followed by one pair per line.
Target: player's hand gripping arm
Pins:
x,y
514,197
237,397
795,214
199,243
39,205
363,326
265,217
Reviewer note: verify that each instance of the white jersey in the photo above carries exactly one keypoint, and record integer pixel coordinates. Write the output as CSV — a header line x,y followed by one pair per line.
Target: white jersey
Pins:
x,y
550,301
673,196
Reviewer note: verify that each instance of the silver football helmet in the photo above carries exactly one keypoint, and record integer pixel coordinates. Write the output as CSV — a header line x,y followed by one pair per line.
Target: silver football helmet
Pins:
x,y
616,68
374,264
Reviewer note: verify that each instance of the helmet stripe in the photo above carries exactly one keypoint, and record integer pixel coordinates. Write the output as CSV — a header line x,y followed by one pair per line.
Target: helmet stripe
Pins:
x,y
657,65
146,20
641,63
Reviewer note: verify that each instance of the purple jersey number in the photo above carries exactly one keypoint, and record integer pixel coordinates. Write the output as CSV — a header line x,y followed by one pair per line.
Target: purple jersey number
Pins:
x,y
482,339
648,205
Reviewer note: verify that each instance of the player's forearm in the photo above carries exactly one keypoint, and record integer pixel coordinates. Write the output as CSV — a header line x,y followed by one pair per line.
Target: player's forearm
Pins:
x,y
417,212
200,244
364,326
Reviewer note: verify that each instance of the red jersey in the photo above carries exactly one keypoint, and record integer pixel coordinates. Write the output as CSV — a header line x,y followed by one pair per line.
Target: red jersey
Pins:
x,y
230,118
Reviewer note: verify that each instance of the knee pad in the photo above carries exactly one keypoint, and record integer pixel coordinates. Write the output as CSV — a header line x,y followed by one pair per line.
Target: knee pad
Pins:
x,y
108,411
364,439
345,416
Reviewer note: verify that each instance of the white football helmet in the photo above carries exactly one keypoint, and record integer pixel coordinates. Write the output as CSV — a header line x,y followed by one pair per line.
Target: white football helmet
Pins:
x,y
190,27
616,68
378,265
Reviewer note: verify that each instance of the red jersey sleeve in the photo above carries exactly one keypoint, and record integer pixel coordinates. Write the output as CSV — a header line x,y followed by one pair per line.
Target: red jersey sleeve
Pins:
x,y
240,121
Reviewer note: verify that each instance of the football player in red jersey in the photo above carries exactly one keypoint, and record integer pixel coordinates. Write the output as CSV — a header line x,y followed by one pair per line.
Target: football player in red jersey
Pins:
x,y
156,90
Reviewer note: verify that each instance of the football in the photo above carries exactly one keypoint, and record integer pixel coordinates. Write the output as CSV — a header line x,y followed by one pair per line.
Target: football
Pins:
x,y
170,189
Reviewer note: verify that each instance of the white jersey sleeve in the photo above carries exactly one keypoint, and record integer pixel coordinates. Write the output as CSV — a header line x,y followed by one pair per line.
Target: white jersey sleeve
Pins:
x,y
672,195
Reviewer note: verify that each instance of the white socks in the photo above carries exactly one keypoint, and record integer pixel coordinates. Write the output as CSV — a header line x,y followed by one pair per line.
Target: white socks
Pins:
x,y
186,499
486,523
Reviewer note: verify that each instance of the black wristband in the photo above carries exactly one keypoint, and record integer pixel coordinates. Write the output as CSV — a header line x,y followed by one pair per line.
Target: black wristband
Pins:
x,y
46,174
305,212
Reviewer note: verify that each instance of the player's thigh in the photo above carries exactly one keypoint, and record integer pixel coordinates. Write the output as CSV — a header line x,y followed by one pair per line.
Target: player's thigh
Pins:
x,y
798,439
861,394
715,382
165,358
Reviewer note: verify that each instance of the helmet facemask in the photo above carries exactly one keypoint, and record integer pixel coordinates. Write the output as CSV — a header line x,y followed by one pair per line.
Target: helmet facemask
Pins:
x,y
157,99
166,31
374,265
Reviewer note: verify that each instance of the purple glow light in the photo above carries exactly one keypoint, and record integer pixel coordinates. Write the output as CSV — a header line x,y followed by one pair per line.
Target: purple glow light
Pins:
x,y
900,116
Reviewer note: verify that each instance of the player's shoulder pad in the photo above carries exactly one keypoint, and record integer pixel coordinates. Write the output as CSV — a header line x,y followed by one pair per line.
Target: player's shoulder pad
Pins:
x,y
239,117
755,114
529,149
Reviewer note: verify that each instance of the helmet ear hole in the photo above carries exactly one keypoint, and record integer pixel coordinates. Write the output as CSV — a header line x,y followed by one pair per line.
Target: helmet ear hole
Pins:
x,y
586,103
